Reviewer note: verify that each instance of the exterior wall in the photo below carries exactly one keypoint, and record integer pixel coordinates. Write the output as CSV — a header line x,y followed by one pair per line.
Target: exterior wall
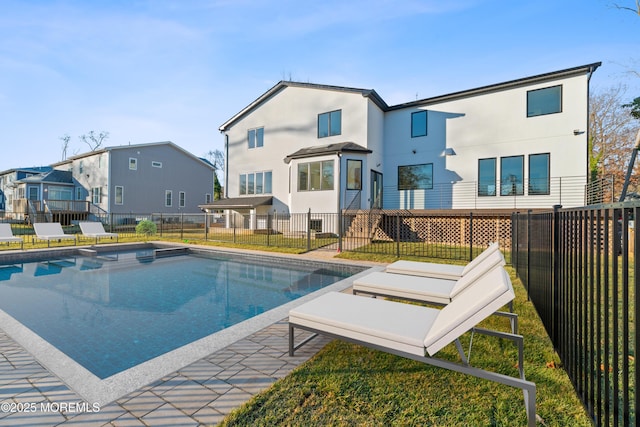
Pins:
x,y
490,125
144,188
91,172
290,121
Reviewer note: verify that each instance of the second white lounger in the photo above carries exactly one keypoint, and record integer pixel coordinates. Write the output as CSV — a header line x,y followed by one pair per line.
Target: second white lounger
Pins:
x,y
443,271
51,231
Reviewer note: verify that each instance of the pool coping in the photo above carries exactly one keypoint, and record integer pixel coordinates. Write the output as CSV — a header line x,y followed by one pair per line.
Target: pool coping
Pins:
x,y
104,391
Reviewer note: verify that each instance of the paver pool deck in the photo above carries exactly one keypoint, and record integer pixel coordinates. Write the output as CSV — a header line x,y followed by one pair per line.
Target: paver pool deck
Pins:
x,y
200,394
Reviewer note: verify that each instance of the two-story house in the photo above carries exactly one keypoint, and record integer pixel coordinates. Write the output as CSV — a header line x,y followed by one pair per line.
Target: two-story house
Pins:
x,y
302,146
10,189
158,177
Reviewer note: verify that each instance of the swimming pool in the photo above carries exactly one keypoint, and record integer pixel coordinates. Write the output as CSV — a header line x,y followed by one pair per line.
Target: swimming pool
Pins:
x,y
113,311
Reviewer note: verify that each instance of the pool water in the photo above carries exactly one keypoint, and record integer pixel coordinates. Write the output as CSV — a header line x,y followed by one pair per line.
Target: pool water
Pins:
x,y
114,311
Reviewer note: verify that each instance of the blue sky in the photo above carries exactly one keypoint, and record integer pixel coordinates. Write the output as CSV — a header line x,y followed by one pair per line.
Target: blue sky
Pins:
x,y
158,70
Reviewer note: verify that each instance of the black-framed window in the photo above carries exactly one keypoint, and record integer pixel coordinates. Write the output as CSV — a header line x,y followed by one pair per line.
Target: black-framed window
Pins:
x,y
414,177
418,124
487,177
330,124
544,101
354,174
512,176
255,137
539,174
315,176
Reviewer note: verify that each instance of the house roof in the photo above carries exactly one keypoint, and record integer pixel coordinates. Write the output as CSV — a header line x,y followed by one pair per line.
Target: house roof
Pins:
x,y
280,86
342,147
239,202
129,146
373,95
32,169
52,177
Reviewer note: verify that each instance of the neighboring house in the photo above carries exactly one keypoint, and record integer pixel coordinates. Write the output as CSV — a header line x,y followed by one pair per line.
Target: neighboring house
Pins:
x,y
301,146
9,190
157,177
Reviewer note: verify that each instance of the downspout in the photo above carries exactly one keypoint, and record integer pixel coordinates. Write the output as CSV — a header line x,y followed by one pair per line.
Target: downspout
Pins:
x,y
589,74
226,166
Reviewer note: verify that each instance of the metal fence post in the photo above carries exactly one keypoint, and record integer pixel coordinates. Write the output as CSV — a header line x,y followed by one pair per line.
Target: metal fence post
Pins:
x,y
268,228
309,230
340,230
528,254
555,278
398,235
181,225
470,236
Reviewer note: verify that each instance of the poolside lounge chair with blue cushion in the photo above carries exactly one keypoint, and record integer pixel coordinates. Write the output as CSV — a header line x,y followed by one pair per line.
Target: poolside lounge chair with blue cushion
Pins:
x,y
6,235
443,271
51,231
417,332
95,229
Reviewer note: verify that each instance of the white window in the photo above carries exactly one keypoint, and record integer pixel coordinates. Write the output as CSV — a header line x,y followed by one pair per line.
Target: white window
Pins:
x,y
95,195
119,189
181,199
207,198
168,198
133,163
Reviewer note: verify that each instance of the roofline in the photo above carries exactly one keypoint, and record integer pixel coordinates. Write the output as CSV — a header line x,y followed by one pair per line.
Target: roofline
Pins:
x,y
122,147
373,95
583,69
283,84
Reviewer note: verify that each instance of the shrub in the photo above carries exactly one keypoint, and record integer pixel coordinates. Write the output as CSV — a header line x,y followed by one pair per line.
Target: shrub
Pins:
x,y
146,227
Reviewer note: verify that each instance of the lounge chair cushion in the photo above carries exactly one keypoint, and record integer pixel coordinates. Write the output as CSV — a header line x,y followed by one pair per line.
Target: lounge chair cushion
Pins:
x,y
94,229
380,322
491,292
495,259
6,235
417,288
443,271
426,269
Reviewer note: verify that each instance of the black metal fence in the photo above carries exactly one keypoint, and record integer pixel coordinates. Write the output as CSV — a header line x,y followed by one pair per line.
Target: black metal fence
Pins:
x,y
434,234
579,267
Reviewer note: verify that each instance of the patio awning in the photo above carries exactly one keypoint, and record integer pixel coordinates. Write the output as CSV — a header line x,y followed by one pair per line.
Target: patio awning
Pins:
x,y
342,147
239,203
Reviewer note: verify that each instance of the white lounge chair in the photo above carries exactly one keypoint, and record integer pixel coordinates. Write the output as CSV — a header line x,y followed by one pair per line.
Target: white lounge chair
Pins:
x,y
417,332
443,271
95,229
51,231
6,235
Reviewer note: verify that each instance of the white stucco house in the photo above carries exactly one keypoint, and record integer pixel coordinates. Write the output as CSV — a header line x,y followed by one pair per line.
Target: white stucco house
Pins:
x,y
517,144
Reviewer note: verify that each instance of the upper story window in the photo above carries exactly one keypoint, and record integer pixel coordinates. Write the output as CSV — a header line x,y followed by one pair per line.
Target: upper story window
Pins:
x,y
415,177
255,137
315,176
330,124
156,164
539,174
418,124
487,177
544,101
133,163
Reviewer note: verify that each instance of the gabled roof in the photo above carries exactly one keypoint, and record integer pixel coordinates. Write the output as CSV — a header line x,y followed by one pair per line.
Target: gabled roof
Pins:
x,y
129,146
342,147
367,93
52,177
370,93
32,169
575,71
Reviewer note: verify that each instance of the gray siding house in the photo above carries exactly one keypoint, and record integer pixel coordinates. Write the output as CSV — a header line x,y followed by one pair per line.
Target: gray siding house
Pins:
x,y
157,177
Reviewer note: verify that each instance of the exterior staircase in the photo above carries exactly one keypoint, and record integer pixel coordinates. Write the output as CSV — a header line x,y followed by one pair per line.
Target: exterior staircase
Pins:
x,y
364,224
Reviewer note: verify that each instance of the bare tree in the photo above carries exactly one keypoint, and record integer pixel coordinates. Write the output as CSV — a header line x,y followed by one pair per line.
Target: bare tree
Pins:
x,y
93,140
612,128
635,10
65,145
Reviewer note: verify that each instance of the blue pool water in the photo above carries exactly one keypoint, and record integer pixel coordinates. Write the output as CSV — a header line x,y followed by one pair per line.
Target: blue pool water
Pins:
x,y
116,310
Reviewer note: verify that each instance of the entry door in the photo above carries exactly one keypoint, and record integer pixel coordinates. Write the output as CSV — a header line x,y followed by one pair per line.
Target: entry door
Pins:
x,y
376,190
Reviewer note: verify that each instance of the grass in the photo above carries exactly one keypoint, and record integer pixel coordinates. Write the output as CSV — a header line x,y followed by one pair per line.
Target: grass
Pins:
x,y
346,384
